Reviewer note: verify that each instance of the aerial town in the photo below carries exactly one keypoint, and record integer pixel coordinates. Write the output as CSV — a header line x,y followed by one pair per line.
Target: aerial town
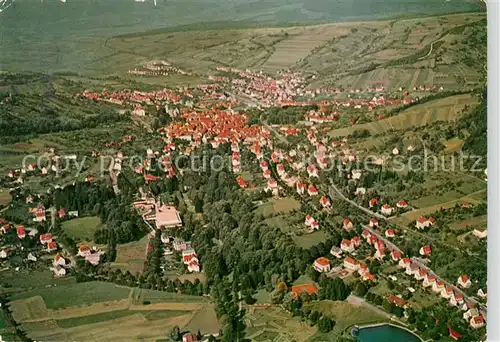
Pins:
x,y
248,206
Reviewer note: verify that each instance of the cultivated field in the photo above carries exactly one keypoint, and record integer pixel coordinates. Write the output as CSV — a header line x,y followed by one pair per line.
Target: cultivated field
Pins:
x,y
395,53
446,109
408,217
88,311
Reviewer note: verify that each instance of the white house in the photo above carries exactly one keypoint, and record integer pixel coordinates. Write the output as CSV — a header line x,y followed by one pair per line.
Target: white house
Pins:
x,y
360,191
336,252
447,292
404,263
422,223
472,312
322,265
464,281
457,299
438,286
4,253
348,225
386,209
347,246
58,261
351,264
194,266
480,233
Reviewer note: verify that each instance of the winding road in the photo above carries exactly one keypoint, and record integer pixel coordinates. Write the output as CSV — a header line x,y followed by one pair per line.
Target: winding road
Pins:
x,y
335,192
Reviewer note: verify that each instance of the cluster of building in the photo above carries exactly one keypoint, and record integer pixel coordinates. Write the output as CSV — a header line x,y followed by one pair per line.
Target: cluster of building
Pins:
x,y
91,255
188,253
449,292
157,68
157,214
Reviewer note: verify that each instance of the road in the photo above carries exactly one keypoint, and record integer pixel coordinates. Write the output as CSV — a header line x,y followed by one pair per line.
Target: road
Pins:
x,y
388,243
335,192
430,51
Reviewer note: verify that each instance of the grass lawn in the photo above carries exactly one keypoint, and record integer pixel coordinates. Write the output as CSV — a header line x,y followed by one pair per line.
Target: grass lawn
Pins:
x,y
266,336
280,205
423,299
453,145
77,294
5,197
309,240
262,297
280,222
82,228
303,279
472,222
381,288
205,320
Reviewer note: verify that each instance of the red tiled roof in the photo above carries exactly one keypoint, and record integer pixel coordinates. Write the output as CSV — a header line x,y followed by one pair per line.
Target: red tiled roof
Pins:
x,y
478,319
396,300
453,334
322,261
351,261
309,288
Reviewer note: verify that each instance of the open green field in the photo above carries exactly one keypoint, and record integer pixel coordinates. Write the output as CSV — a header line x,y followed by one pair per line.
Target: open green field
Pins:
x,y
82,228
262,296
131,256
280,205
77,294
422,299
472,223
32,279
5,197
309,240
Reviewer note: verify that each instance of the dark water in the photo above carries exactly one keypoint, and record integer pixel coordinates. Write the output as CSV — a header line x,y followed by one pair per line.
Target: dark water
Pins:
x,y
385,333
37,34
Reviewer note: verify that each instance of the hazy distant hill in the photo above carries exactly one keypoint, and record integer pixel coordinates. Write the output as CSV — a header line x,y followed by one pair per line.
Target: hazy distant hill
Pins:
x,y
46,35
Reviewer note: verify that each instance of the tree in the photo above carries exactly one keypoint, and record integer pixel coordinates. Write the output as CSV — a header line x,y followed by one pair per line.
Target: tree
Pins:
x,y
314,317
175,333
325,324
360,290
